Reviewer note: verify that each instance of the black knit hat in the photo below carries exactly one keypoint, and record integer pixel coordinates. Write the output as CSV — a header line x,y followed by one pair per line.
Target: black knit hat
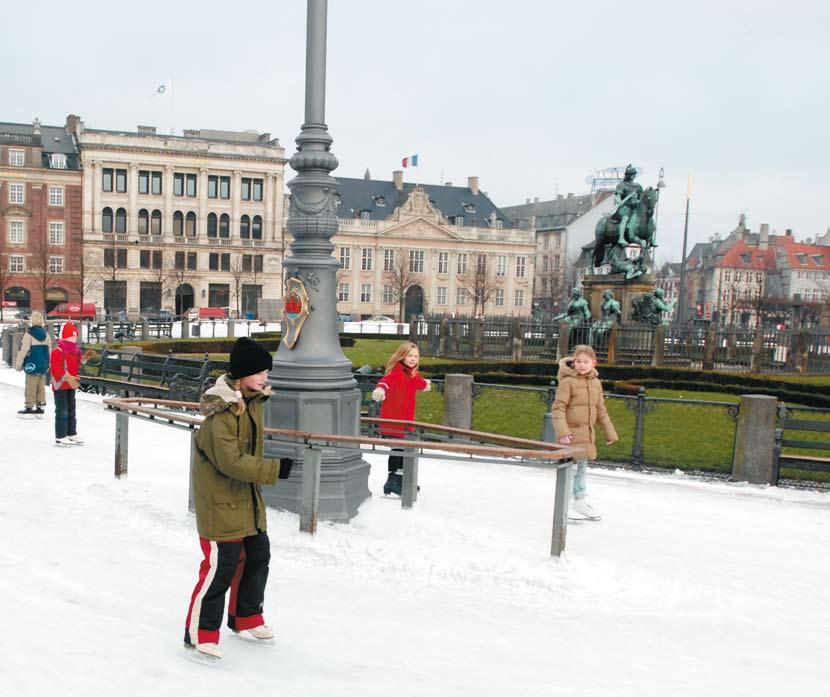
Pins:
x,y
248,358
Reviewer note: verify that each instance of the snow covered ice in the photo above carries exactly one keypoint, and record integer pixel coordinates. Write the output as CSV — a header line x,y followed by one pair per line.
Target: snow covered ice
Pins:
x,y
684,588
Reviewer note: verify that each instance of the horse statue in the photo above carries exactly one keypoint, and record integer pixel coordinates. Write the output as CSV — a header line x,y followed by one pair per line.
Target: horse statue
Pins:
x,y
640,229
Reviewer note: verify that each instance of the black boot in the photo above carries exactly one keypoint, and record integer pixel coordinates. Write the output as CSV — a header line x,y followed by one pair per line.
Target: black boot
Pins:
x,y
394,484
27,413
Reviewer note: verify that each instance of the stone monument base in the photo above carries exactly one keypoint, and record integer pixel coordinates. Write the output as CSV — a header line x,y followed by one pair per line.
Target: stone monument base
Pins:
x,y
594,285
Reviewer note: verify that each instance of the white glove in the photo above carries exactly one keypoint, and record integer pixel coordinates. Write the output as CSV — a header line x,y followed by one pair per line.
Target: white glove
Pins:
x,y
428,387
379,394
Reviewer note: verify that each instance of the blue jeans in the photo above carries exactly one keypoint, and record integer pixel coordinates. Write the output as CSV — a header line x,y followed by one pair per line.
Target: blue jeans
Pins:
x,y
65,424
579,479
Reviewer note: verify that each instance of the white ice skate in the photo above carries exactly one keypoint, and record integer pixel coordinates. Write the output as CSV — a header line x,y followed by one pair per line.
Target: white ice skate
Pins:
x,y
63,442
263,634
580,509
76,439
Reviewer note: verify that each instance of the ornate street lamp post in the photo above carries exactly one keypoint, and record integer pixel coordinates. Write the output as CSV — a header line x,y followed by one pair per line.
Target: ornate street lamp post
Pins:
x,y
312,380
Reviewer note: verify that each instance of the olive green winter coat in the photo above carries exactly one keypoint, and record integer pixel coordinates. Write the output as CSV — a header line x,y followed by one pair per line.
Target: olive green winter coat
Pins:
x,y
228,466
578,406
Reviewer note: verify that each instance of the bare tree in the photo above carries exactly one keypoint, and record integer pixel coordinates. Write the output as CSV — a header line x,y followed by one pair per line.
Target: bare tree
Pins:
x,y
83,279
400,278
4,275
178,275
160,273
556,283
480,283
238,275
40,266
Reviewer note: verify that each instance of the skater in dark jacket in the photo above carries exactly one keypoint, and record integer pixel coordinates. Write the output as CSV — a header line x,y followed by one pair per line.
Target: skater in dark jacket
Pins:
x,y
228,470
33,359
397,392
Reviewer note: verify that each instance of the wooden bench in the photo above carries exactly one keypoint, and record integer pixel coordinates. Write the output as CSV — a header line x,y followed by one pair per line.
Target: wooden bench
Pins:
x,y
786,426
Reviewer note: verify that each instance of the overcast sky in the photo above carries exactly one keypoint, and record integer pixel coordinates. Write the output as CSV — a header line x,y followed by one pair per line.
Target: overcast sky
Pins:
x,y
531,96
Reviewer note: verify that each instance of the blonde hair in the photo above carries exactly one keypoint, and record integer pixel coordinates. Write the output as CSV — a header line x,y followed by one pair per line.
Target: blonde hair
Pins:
x,y
587,350
36,320
400,354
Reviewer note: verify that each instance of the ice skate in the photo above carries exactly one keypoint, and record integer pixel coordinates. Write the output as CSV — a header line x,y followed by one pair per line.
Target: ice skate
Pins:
x,y
39,412
393,485
584,510
63,442
263,634
28,413
207,654
76,439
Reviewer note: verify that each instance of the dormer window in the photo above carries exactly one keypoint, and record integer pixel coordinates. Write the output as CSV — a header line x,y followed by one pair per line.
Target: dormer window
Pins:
x,y
818,258
499,224
459,220
380,201
746,257
337,200
365,215
802,258
469,208
57,160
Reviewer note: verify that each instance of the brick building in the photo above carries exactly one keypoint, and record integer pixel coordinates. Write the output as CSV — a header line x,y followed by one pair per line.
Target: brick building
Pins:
x,y
40,215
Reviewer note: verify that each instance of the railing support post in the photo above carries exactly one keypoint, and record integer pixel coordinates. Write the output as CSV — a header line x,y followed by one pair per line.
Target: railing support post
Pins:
x,y
639,427
409,490
564,486
122,438
310,504
562,346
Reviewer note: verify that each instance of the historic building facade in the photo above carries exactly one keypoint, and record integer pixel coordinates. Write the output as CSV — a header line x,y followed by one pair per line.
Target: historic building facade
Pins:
x,y
176,222
40,215
411,249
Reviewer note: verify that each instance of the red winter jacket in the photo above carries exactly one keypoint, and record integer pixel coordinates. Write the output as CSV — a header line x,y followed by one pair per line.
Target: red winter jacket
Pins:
x,y
64,361
401,387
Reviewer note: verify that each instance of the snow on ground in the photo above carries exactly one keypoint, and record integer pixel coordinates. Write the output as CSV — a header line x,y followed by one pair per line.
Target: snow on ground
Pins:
x,y
684,588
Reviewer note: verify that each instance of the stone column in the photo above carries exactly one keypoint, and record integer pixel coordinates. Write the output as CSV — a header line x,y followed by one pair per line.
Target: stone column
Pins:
x,y
458,401
167,218
132,206
754,458
269,224
236,198
94,224
203,184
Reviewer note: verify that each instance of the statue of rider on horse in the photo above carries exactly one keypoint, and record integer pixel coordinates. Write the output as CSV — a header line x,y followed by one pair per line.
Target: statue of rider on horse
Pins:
x,y
631,223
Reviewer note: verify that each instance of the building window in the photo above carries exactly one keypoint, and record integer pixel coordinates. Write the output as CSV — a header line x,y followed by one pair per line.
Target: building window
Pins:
x,y
459,220
57,238
155,183
441,296
55,195
178,185
256,228
365,293
106,179
121,220
144,259
224,226
178,260
213,262
16,234
545,263
57,160
501,265
245,192
443,262
545,241
366,259
257,192
191,261
521,262
727,275
17,193
519,298
212,225
213,186
737,277
16,263
178,223
224,187
460,296
191,185
388,295
155,223
17,158
143,181
342,292
461,265
345,258
225,262
245,227
115,258
481,264
143,222
416,261
219,295
388,259
247,264
556,262
106,220
190,224
121,181
157,259
499,297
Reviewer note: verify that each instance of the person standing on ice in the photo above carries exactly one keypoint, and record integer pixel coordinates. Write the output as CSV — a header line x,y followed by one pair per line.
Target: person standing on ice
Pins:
x,y
228,470
64,363
33,359
397,392
577,408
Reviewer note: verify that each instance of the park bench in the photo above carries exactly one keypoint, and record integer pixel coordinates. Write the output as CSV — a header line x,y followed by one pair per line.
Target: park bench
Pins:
x,y
787,428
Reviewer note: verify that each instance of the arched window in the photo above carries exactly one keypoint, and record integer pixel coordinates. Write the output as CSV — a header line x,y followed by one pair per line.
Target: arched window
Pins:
x,y
155,223
178,224
143,222
211,225
121,220
190,225
256,228
225,226
106,220
245,227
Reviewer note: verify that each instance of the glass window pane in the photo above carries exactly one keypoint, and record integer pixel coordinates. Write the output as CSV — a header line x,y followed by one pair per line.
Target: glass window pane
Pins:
x,y
257,189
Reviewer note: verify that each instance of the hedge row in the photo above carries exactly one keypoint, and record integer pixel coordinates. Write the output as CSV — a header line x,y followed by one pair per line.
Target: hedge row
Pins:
x,y
219,345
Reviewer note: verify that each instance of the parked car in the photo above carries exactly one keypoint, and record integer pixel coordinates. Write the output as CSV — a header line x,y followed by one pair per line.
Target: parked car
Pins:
x,y
73,311
158,316
195,313
17,312
379,318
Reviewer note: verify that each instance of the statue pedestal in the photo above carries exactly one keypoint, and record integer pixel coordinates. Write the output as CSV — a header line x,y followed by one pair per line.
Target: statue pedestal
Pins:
x,y
594,286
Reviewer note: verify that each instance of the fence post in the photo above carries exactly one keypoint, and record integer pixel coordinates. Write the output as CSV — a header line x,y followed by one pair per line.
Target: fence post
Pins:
x,y
613,337
639,426
709,346
564,338
409,489
109,332
802,351
732,346
310,504
757,361
122,441
185,328
145,330
548,433
458,400
191,503
413,330
477,327
443,331
754,459
231,328
564,486
658,346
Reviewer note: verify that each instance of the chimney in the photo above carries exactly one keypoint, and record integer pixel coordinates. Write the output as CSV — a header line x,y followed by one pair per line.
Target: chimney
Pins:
x,y
535,199
527,200
570,195
763,237
397,177
146,130
472,185
74,125
559,197
789,232
36,127
447,183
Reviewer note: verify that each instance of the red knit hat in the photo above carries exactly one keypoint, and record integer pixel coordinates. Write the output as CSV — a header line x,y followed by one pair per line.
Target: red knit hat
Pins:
x,y
68,331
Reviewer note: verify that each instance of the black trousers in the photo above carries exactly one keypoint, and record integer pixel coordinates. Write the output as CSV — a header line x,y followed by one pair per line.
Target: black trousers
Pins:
x,y
242,566
65,422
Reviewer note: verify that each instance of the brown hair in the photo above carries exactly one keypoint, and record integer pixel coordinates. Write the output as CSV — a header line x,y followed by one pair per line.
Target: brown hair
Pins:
x,y
400,354
584,348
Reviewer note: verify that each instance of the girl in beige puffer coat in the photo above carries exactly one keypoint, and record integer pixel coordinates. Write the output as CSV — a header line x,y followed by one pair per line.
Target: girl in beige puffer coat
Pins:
x,y
577,408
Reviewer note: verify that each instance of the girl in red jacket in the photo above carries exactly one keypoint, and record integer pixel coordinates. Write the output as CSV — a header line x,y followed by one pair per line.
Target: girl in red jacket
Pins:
x,y
63,366
397,391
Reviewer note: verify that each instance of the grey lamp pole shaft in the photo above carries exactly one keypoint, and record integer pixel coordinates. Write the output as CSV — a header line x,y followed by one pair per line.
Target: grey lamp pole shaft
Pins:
x,y
315,62
682,304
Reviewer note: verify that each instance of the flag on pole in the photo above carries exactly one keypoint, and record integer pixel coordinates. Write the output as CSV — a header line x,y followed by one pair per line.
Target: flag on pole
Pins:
x,y
411,161
165,89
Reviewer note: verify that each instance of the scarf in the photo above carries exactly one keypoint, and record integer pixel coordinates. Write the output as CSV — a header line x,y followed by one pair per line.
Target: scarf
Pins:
x,y
70,348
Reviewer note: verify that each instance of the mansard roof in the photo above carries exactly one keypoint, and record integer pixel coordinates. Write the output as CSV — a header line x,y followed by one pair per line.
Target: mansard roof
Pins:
x,y
558,212
52,139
